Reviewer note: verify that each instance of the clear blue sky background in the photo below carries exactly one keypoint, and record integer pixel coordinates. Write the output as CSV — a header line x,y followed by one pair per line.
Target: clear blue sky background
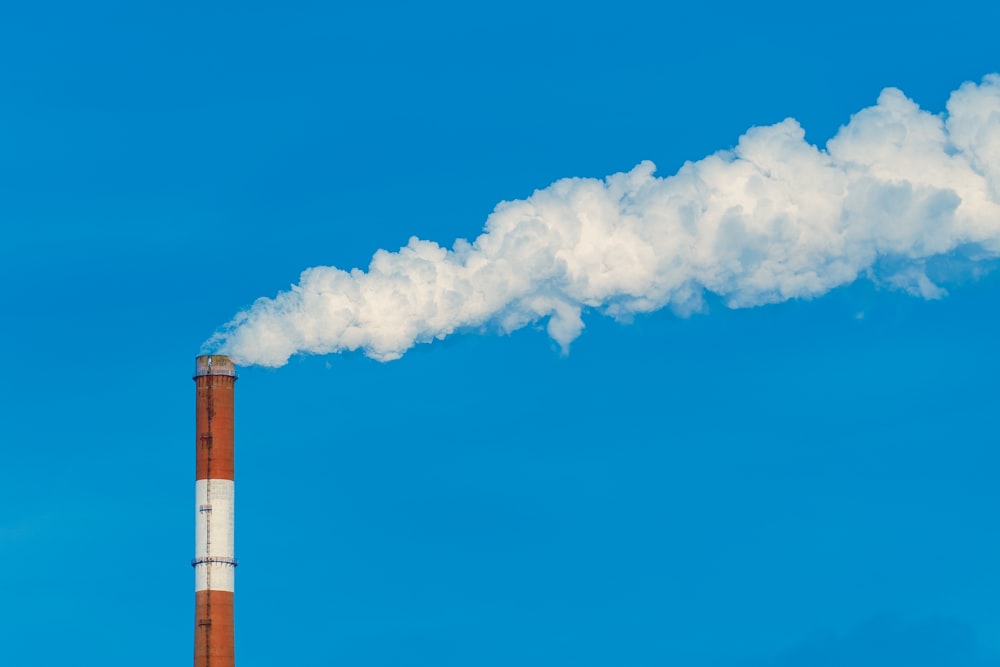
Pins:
x,y
810,484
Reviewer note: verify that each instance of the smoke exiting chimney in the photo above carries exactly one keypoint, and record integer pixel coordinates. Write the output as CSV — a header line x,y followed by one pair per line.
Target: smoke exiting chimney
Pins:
x,y
214,562
896,196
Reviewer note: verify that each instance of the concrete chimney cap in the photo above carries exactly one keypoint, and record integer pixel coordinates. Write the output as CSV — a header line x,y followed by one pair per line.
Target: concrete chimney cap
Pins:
x,y
214,364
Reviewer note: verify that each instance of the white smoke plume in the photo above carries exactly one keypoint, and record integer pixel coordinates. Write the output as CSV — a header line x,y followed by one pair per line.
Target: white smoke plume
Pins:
x,y
775,218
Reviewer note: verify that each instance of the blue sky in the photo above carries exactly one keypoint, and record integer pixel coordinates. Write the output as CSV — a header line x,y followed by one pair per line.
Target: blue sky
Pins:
x,y
809,483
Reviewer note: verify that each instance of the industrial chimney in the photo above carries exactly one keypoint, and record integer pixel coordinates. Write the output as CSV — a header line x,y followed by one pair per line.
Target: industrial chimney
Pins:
x,y
214,562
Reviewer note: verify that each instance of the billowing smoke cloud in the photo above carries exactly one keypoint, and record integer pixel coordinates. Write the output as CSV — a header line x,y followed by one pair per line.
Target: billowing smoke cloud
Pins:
x,y
775,218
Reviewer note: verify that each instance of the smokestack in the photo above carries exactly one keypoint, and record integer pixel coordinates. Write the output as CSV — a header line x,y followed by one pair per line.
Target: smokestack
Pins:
x,y
214,562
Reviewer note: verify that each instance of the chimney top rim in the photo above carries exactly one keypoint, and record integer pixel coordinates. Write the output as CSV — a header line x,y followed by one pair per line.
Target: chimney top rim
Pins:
x,y
214,364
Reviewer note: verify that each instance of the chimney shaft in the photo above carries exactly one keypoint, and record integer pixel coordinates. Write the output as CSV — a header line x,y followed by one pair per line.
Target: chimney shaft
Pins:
x,y
214,561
